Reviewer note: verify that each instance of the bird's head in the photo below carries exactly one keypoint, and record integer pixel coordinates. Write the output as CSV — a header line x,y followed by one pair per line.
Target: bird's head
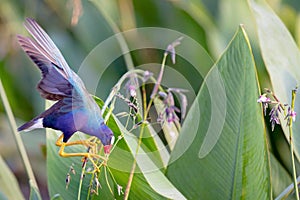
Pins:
x,y
107,137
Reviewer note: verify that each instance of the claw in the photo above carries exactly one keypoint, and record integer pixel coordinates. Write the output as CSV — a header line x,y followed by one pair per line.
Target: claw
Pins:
x,y
88,155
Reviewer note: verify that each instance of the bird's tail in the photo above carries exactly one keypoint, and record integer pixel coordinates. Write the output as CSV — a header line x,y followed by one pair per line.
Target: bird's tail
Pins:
x,y
33,124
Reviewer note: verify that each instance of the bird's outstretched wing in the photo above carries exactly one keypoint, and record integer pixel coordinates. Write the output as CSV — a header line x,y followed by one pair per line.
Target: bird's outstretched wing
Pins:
x,y
58,80
75,109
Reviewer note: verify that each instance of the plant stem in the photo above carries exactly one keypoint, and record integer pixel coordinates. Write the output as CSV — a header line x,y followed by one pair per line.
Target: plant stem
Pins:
x,y
287,191
147,110
80,182
292,145
127,190
159,78
117,87
108,185
17,136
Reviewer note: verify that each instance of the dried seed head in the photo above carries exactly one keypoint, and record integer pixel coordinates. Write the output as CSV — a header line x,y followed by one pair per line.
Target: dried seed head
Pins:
x,y
93,191
98,185
263,99
72,170
120,189
274,116
147,75
68,180
171,48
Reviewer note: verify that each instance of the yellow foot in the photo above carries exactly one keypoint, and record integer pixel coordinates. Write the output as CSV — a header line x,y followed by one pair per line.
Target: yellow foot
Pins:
x,y
87,155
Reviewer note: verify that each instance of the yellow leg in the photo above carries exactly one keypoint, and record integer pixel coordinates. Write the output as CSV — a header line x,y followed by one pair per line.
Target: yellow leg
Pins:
x,y
86,143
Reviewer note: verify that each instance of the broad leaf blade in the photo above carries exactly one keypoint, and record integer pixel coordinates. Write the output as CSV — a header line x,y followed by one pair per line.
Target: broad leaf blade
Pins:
x,y
280,177
119,163
156,179
9,187
282,59
58,168
151,142
236,165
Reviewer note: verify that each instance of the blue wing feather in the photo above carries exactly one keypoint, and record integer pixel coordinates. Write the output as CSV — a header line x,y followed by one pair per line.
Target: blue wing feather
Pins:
x,y
49,49
75,110
58,80
54,84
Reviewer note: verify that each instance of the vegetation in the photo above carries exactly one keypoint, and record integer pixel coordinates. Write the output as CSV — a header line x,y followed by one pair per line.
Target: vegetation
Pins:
x,y
182,84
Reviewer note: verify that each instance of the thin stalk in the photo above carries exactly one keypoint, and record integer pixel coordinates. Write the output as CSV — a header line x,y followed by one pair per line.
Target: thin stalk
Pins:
x,y
127,190
17,136
157,84
287,191
80,182
159,78
292,145
147,110
108,185
128,119
117,87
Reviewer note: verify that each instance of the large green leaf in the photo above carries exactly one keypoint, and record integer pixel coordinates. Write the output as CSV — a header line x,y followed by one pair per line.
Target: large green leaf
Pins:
x,y
232,164
282,59
57,169
148,183
9,188
156,179
280,177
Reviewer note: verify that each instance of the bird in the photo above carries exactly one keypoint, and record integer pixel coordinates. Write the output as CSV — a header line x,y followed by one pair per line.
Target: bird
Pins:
x,y
75,108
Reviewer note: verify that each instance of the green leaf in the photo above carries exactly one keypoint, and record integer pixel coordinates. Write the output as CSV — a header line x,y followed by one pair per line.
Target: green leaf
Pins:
x,y
282,59
34,191
280,177
9,187
57,197
156,179
151,142
2,196
119,163
169,129
58,168
288,192
232,164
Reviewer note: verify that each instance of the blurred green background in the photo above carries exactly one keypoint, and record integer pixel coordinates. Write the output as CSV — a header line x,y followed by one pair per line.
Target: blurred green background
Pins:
x,y
78,26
